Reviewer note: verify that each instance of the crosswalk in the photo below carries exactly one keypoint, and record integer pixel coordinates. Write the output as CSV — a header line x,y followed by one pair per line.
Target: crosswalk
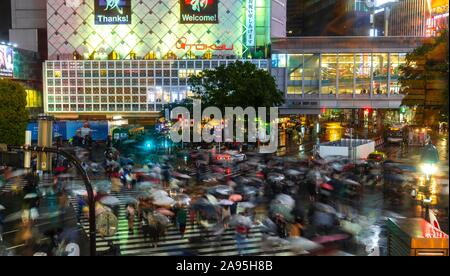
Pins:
x,y
172,243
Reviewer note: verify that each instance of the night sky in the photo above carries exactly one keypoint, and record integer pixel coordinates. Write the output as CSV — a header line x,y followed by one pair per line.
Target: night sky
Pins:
x,y
5,22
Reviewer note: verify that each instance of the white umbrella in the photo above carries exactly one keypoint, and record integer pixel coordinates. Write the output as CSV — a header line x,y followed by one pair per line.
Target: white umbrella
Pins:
x,y
212,199
17,173
226,202
159,193
145,185
30,195
293,172
180,175
285,200
299,245
183,199
246,205
2,207
241,220
110,200
164,201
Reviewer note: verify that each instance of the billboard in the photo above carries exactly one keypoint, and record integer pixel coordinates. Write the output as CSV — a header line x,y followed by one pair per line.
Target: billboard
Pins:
x,y
112,12
199,12
6,61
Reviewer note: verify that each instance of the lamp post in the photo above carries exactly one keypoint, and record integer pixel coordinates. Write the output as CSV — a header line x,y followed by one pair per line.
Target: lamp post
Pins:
x,y
429,159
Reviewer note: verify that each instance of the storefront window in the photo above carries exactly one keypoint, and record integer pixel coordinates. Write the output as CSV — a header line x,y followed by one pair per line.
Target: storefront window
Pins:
x,y
346,73
311,73
279,60
295,64
363,64
294,90
328,73
380,73
396,60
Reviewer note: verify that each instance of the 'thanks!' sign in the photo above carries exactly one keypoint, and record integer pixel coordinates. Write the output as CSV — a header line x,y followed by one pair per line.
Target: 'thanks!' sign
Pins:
x,y
112,12
199,11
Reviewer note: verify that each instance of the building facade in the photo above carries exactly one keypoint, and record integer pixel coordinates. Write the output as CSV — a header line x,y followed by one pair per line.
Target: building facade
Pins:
x,y
29,24
328,18
136,56
340,72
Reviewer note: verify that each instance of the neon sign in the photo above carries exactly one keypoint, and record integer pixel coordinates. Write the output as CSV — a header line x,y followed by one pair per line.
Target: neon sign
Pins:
x,y
199,11
112,12
183,45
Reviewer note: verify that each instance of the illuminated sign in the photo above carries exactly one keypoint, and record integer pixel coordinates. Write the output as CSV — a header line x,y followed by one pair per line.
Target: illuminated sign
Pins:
x,y
250,23
112,12
183,45
199,11
6,61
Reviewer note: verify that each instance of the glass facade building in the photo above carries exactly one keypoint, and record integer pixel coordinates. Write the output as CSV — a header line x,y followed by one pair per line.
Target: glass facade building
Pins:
x,y
98,67
124,86
340,72
335,74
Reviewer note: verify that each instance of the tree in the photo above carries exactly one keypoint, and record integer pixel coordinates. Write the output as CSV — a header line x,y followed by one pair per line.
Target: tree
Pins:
x,y
13,113
238,84
424,79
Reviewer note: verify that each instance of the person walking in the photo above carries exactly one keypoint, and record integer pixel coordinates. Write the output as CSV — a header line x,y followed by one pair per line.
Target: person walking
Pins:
x,y
226,214
130,214
240,236
181,220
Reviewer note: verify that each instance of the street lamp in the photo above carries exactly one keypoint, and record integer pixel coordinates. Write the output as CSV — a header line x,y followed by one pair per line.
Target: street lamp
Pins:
x,y
429,159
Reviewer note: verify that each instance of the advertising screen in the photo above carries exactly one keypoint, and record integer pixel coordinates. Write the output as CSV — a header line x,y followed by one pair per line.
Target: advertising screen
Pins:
x,y
6,61
199,12
112,12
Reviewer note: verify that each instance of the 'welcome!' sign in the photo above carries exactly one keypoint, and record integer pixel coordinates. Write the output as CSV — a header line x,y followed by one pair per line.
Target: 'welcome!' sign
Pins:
x,y
199,11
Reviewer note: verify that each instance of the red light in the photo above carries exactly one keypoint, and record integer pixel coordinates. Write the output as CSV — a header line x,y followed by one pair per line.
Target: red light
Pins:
x,y
228,171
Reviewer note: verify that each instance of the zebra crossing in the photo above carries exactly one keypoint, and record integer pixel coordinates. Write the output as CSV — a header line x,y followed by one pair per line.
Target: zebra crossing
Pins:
x,y
172,244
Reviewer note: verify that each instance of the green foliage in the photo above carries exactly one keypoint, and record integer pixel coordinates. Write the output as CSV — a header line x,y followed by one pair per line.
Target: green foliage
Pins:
x,y
13,113
238,84
424,77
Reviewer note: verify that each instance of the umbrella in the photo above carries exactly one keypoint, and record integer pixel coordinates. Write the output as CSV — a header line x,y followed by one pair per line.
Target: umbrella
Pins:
x,y
30,195
144,186
110,201
81,192
161,218
330,238
223,189
165,212
325,208
299,244
241,220
293,172
350,227
351,182
144,195
235,197
201,203
269,226
14,216
282,210
164,201
180,175
130,200
326,186
2,207
212,199
17,173
285,200
183,199
226,202
246,205
159,193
